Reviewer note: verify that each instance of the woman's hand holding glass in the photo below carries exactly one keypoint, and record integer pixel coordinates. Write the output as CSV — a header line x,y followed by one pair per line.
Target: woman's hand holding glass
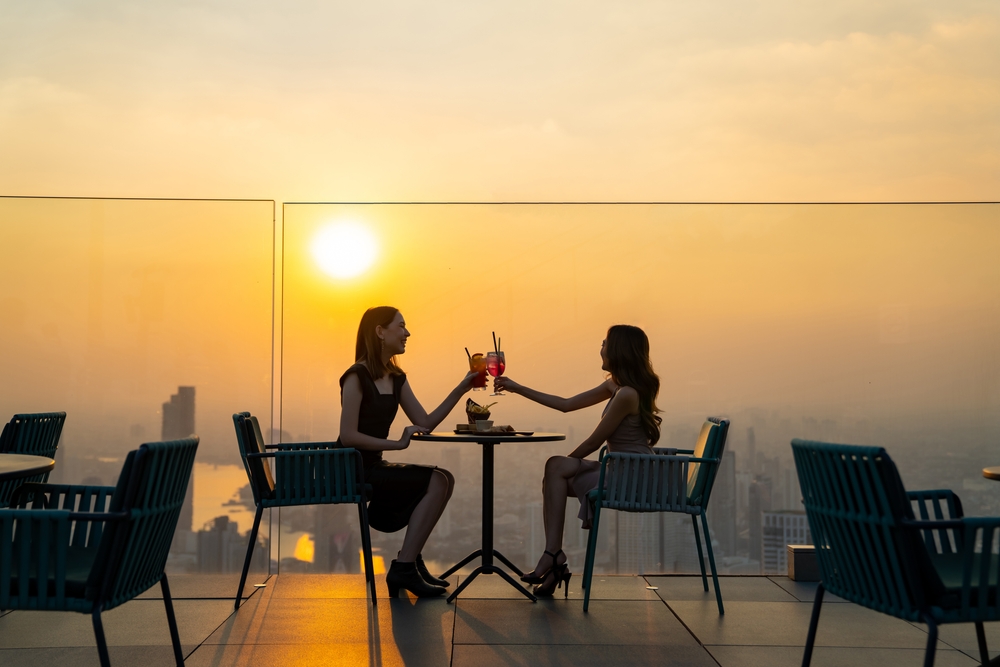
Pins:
x,y
468,382
502,383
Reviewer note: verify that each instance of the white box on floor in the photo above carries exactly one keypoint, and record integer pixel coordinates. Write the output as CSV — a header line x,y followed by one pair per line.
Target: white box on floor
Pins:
x,y
802,563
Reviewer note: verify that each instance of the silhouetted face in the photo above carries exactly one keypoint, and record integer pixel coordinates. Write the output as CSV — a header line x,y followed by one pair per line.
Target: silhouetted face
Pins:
x,y
394,335
604,355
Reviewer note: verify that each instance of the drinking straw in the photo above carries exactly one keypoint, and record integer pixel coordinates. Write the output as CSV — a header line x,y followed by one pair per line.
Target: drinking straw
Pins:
x,y
495,347
467,352
498,345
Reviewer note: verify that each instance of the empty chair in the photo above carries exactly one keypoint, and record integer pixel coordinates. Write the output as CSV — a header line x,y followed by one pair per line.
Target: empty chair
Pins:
x,y
873,551
35,434
312,473
670,480
89,549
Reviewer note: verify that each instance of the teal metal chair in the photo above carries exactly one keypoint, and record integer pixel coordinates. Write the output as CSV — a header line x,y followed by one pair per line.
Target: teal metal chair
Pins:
x,y
91,548
36,434
670,480
874,551
305,473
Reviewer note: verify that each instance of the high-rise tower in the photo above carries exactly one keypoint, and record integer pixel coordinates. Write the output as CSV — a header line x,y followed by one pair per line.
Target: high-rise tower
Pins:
x,y
178,422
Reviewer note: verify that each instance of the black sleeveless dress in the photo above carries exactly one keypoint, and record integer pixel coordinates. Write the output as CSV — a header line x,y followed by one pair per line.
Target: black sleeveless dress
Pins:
x,y
397,487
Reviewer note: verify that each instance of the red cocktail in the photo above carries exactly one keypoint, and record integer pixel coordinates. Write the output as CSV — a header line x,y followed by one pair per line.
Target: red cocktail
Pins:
x,y
495,365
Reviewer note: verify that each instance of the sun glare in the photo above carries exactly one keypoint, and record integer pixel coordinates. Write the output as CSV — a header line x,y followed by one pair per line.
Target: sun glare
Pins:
x,y
344,249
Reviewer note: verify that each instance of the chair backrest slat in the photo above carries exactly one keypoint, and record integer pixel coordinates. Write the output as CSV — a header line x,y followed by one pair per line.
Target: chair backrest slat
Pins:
x,y
857,506
36,434
134,551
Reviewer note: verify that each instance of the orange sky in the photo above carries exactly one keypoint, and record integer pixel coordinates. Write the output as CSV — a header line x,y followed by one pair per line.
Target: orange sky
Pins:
x,y
842,312
390,101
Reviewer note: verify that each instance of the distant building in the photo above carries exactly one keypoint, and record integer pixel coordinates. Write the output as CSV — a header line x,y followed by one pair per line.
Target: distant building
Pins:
x,y
759,503
779,530
178,422
222,549
722,506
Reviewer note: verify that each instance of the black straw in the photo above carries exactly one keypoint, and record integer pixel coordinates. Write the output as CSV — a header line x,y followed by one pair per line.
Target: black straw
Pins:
x,y
467,352
496,348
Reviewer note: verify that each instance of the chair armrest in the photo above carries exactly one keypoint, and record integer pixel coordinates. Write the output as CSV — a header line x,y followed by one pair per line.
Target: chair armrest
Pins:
x,y
303,445
935,498
36,545
310,476
72,497
644,482
940,507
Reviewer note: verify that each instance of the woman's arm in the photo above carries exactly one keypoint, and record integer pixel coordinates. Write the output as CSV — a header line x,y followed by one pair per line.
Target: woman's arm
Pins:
x,y
602,392
411,406
625,402
350,398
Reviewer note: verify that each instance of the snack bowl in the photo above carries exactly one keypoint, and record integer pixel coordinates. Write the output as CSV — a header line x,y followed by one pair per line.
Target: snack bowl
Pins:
x,y
484,425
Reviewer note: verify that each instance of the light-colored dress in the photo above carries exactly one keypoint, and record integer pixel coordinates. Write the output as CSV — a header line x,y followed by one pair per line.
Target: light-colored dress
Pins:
x,y
628,438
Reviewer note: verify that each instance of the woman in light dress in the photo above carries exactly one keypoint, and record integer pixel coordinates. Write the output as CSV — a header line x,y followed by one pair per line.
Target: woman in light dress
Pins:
x,y
629,424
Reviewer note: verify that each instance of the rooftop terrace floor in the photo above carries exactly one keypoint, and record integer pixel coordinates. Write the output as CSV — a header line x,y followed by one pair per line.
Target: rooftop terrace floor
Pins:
x,y
300,619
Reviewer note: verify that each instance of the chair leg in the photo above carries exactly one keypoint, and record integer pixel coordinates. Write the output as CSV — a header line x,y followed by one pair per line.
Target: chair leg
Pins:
x,y
366,547
932,632
984,652
701,556
102,644
813,624
175,637
711,562
588,568
250,547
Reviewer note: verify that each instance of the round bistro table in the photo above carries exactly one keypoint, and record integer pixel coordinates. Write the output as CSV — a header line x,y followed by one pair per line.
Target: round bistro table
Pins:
x,y
992,472
16,466
486,552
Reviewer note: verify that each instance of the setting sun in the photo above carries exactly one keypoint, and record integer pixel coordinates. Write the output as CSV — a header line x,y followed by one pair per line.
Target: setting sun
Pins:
x,y
344,249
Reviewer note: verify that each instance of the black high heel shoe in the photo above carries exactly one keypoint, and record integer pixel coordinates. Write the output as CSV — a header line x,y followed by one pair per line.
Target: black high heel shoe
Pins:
x,y
407,577
559,576
532,578
427,576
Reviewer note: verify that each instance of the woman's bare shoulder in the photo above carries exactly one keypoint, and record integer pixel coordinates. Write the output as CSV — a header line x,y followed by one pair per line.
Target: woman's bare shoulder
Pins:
x,y
627,395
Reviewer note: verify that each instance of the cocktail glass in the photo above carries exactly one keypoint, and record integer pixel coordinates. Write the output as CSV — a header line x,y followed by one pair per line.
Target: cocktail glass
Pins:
x,y
495,365
477,363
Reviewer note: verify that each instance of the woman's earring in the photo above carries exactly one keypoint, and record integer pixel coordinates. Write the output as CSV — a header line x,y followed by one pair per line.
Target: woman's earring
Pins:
x,y
382,343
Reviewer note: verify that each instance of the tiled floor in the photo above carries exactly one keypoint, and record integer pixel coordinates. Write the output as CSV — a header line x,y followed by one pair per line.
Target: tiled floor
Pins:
x,y
327,620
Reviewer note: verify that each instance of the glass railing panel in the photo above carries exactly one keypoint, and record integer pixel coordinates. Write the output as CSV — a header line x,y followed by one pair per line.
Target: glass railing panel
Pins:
x,y
144,320
867,324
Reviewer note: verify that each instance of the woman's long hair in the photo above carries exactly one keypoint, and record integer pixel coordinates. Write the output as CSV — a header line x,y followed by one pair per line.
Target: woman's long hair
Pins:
x,y
627,348
368,350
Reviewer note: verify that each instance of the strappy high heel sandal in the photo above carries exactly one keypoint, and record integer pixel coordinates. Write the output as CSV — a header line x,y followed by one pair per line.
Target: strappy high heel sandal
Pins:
x,y
561,575
533,578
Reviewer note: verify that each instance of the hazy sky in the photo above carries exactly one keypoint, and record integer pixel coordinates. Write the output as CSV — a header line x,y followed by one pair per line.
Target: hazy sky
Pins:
x,y
896,100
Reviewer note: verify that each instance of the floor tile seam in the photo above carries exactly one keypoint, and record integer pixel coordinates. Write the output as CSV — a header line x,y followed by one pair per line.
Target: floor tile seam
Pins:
x,y
922,628
454,626
232,613
818,645
575,643
685,626
94,646
850,648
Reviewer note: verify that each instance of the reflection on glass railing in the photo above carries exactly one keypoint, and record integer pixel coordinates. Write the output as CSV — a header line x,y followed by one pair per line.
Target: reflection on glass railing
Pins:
x,y
867,324
144,320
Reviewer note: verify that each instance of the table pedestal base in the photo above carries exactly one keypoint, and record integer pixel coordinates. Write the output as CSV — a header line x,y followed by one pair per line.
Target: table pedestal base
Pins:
x,y
485,568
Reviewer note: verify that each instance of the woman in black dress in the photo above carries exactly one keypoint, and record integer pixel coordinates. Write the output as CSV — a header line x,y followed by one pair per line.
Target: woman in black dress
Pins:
x,y
403,494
